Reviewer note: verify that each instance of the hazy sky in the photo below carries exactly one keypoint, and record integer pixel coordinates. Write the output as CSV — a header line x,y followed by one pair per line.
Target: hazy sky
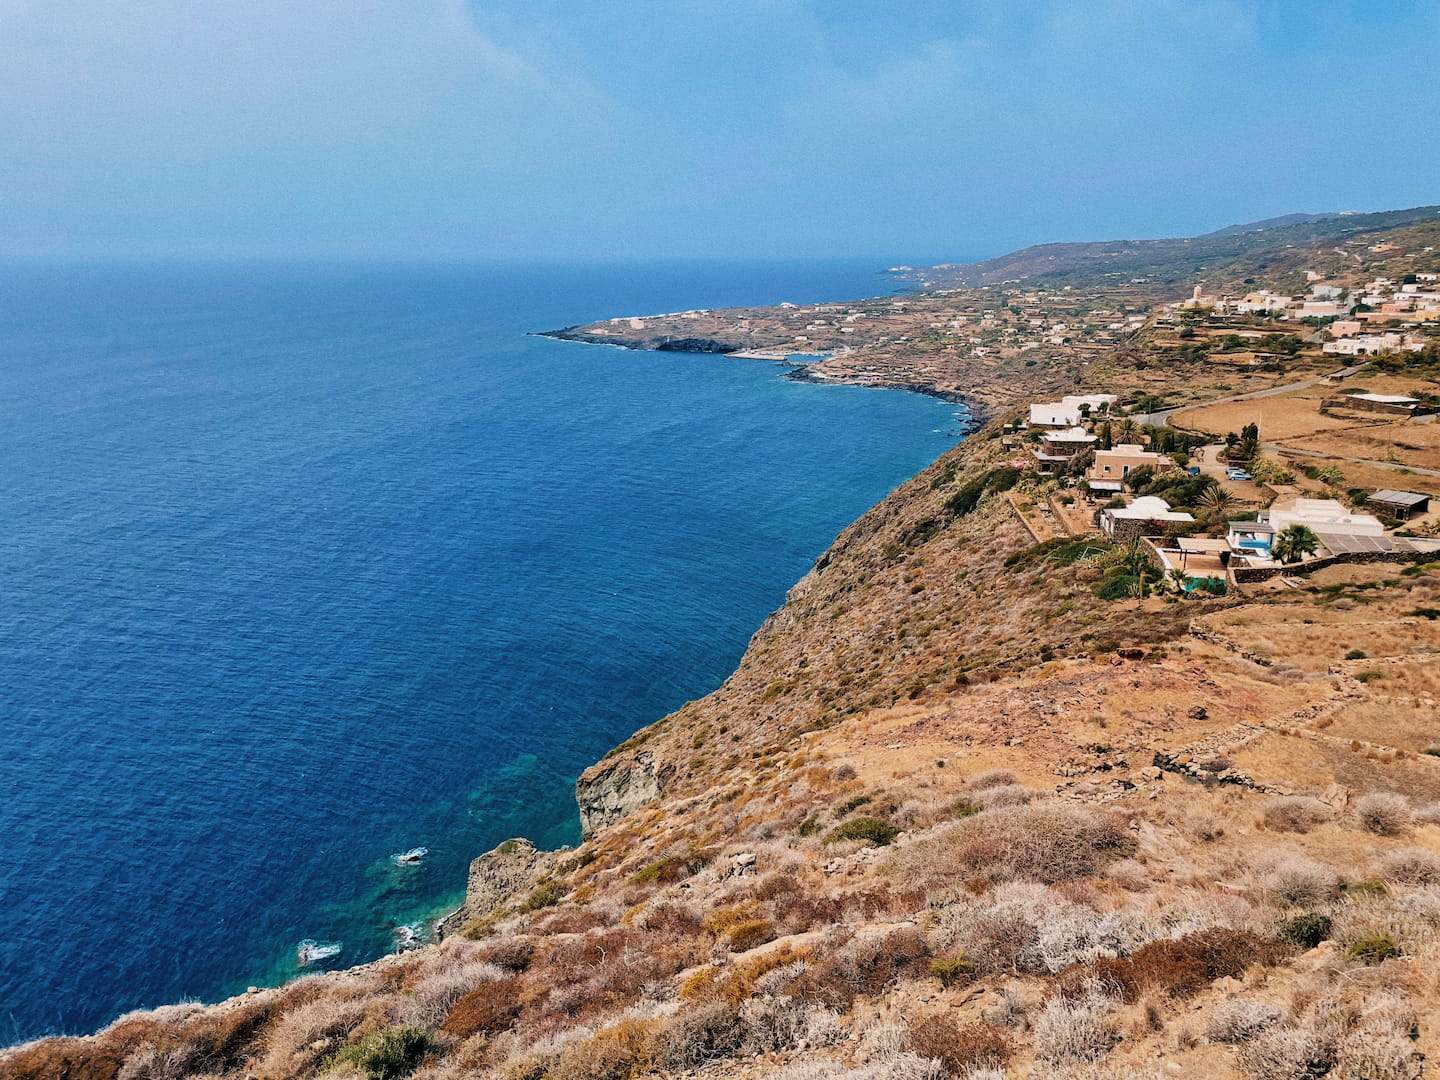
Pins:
x,y
894,128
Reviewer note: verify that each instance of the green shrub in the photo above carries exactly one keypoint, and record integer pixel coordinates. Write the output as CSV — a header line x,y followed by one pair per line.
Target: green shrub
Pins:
x,y
1117,587
1306,930
1373,949
1427,613
952,970
1355,654
852,803
546,894
876,830
387,1054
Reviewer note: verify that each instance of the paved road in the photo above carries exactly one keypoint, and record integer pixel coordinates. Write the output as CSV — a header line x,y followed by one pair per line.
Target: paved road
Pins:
x,y
1163,416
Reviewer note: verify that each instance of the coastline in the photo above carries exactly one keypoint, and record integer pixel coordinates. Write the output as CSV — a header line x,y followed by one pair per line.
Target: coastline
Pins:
x,y
978,413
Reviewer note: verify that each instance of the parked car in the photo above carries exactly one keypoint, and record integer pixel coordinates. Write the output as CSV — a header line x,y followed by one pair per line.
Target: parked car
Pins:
x,y
1238,474
1194,470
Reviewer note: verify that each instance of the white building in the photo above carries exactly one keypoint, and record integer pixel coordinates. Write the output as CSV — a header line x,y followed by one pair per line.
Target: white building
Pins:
x,y
1055,414
1321,516
1370,344
1145,508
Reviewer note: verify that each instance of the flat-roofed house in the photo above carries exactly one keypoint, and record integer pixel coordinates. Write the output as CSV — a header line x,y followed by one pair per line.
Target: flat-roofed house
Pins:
x,y
1114,465
1322,515
1149,513
1400,504
1057,447
1055,414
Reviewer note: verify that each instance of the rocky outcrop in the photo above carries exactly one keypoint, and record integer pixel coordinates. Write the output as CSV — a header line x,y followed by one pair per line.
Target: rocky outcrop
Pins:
x,y
495,877
617,786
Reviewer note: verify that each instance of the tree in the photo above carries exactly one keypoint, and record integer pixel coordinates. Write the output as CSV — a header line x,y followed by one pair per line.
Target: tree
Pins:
x,y
1249,444
1330,474
1215,500
1128,431
1294,543
1107,436
1178,578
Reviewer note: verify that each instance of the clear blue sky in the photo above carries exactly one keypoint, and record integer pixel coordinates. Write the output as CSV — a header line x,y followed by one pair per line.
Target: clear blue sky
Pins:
x,y
893,128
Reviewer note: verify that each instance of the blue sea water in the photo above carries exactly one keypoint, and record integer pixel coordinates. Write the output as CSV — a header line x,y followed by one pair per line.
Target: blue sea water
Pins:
x,y
305,566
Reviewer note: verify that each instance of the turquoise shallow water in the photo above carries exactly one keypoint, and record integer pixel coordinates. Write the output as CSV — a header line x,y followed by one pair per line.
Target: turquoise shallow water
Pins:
x,y
307,566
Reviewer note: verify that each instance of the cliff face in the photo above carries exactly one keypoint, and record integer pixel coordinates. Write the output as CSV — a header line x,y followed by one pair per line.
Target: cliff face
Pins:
x,y
952,813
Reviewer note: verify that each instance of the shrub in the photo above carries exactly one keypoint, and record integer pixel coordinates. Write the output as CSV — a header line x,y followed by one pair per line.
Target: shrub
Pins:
x,y
691,1039
1178,968
1385,813
1306,930
853,803
619,1052
952,970
1074,1032
387,1054
877,831
1045,843
546,894
489,1008
1294,813
750,933
297,1039
1412,866
1003,795
1355,654
1238,1021
991,778
809,827
1373,949
1284,1053
959,1048
1301,882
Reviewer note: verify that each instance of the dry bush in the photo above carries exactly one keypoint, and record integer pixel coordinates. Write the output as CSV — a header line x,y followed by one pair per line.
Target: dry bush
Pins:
x,y
1385,813
1380,1044
1129,875
1429,814
1203,825
618,1052
72,1059
434,994
305,1033
990,779
691,1039
1075,1032
1291,1053
1237,1020
1178,968
1295,813
1411,920
1047,843
862,967
511,953
1002,795
774,1023
1023,927
960,1048
1301,882
1411,866
489,1008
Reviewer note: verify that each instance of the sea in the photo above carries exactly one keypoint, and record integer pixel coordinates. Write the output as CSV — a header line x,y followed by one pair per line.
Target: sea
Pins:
x,y
304,567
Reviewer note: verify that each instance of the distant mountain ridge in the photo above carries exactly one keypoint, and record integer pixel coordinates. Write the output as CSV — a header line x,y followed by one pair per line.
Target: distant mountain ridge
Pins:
x,y
1236,251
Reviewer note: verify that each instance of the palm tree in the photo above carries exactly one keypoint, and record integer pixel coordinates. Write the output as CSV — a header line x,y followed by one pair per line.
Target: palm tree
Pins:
x,y
1128,431
1294,543
1178,578
1215,500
